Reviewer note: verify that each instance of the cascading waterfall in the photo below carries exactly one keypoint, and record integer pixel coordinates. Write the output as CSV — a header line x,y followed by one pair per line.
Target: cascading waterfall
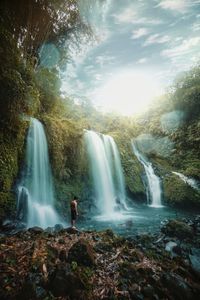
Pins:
x,y
35,193
153,182
116,167
190,181
102,166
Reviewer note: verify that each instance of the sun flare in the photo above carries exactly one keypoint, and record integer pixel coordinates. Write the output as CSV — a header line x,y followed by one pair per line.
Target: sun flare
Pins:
x,y
127,93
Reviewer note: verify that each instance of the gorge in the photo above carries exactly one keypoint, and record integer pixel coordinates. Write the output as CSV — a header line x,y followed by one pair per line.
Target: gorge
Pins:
x,y
99,101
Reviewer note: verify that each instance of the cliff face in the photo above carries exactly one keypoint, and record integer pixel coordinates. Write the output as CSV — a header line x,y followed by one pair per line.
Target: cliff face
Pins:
x,y
17,98
68,160
133,171
174,146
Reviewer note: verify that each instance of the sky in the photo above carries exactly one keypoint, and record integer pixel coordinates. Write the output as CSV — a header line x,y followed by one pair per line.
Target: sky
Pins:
x,y
140,49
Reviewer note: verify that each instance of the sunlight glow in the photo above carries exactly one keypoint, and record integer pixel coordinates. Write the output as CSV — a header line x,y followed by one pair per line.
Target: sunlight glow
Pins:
x,y
127,93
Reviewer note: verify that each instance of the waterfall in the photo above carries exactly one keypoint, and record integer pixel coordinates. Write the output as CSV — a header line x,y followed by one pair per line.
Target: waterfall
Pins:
x,y
35,204
104,162
116,167
190,181
153,181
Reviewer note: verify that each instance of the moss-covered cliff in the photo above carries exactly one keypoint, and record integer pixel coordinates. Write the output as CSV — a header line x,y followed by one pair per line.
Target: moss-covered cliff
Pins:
x,y
172,128
133,171
18,98
68,159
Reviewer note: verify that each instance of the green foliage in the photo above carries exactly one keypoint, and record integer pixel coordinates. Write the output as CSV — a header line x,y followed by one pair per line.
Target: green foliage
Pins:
x,y
48,85
183,97
11,154
18,97
12,90
132,168
186,94
180,194
24,91
7,204
64,139
33,22
74,265
17,90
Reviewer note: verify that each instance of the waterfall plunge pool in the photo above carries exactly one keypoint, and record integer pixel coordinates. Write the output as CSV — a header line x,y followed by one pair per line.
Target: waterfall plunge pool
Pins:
x,y
139,220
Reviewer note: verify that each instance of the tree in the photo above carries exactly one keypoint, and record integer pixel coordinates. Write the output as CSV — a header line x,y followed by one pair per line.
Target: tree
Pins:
x,y
34,22
186,93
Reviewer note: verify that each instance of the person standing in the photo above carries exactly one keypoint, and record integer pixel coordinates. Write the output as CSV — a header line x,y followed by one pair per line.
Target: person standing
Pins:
x,y
74,211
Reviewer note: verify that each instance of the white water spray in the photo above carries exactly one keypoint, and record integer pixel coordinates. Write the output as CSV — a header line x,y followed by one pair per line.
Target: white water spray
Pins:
x,y
35,193
190,181
103,163
153,181
116,167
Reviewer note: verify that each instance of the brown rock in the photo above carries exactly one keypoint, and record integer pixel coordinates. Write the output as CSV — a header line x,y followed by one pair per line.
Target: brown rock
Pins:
x,y
82,253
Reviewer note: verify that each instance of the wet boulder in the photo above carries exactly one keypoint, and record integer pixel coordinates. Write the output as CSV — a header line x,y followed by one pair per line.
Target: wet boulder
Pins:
x,y
58,227
72,230
28,291
173,248
103,247
83,253
179,229
64,282
177,286
50,231
8,225
63,255
170,246
195,261
36,230
32,288
148,291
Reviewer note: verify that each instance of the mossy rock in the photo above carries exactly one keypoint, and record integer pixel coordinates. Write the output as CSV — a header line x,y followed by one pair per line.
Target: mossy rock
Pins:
x,y
179,229
7,204
82,252
65,282
180,194
65,145
103,247
133,170
193,170
12,152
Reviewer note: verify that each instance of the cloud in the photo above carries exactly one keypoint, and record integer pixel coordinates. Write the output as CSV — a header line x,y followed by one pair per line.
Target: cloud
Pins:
x,y
139,33
98,77
196,26
126,16
89,68
104,59
130,15
156,39
147,21
195,58
184,48
178,39
180,6
142,60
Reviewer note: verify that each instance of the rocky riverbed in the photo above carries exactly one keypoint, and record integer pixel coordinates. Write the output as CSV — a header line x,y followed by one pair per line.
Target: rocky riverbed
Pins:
x,y
59,263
